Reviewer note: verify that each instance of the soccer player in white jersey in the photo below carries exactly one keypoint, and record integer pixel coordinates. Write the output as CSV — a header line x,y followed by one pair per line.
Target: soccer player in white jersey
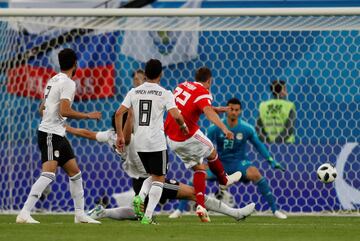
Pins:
x,y
149,102
133,167
55,148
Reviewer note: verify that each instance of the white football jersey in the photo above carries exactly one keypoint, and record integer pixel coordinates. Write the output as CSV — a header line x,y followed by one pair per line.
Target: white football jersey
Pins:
x,y
58,87
132,164
149,102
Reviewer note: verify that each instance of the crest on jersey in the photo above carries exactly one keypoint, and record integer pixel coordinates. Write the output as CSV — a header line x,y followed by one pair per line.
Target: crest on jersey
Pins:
x,y
239,136
56,153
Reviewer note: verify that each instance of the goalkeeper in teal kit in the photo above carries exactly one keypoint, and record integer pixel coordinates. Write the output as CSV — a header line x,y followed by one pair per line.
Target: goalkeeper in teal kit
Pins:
x,y
234,158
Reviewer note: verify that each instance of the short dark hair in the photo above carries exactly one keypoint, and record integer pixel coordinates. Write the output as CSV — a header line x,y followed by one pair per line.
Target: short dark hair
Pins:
x,y
153,69
113,122
67,59
234,101
203,74
138,71
277,86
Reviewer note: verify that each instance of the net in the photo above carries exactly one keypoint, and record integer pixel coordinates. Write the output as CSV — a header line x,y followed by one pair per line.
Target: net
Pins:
x,y
317,55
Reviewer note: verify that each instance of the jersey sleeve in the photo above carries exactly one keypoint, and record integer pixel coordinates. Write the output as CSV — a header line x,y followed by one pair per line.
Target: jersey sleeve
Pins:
x,y
170,100
260,147
103,136
127,100
68,90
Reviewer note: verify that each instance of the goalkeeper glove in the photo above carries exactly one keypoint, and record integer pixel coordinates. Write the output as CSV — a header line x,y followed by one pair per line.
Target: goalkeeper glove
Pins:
x,y
275,164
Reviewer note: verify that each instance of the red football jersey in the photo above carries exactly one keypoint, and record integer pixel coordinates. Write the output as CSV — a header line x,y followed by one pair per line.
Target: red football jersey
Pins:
x,y
190,98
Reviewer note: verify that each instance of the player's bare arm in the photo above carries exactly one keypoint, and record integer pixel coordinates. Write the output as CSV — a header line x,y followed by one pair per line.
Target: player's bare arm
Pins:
x,y
221,109
214,118
175,113
128,127
81,132
120,142
67,111
42,108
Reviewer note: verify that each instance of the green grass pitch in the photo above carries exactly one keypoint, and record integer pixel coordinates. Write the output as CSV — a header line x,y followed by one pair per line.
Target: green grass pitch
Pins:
x,y
61,227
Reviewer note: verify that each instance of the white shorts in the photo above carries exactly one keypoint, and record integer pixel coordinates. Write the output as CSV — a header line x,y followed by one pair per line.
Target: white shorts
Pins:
x,y
193,150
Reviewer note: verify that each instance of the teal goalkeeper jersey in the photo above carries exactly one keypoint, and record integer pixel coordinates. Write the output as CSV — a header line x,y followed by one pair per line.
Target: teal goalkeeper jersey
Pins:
x,y
234,151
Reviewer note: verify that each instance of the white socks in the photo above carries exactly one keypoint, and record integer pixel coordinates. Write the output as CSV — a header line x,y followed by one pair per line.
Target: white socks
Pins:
x,y
120,213
37,189
145,188
77,193
76,190
216,205
154,198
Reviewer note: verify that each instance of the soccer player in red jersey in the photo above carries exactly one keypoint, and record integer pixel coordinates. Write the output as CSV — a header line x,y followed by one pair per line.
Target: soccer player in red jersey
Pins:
x,y
194,99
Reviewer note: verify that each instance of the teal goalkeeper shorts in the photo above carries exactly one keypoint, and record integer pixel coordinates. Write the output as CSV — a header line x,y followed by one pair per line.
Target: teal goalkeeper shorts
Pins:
x,y
231,168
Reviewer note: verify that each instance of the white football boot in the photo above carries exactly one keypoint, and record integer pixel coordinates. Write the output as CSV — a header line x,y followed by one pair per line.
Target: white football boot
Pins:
x,y
97,212
85,219
25,218
280,215
235,177
202,214
176,214
244,212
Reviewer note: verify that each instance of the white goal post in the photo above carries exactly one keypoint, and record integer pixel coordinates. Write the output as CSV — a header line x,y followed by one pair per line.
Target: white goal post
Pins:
x,y
180,12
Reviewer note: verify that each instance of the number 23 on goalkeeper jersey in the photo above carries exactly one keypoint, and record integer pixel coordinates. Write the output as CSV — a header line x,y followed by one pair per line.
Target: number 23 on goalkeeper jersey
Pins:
x,y
232,151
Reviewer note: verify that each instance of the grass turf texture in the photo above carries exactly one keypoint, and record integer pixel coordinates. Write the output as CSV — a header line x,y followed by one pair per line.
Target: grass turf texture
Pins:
x,y
61,227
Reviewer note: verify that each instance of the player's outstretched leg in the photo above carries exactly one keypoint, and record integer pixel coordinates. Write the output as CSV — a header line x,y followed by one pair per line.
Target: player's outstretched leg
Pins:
x,y
254,175
231,179
216,205
265,191
120,213
98,212
217,168
245,212
36,190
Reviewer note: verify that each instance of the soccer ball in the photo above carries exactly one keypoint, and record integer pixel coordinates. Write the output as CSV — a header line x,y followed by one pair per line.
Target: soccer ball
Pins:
x,y
326,173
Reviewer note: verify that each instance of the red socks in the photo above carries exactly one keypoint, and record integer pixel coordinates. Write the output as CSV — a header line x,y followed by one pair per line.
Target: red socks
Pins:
x,y
199,182
200,187
217,168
